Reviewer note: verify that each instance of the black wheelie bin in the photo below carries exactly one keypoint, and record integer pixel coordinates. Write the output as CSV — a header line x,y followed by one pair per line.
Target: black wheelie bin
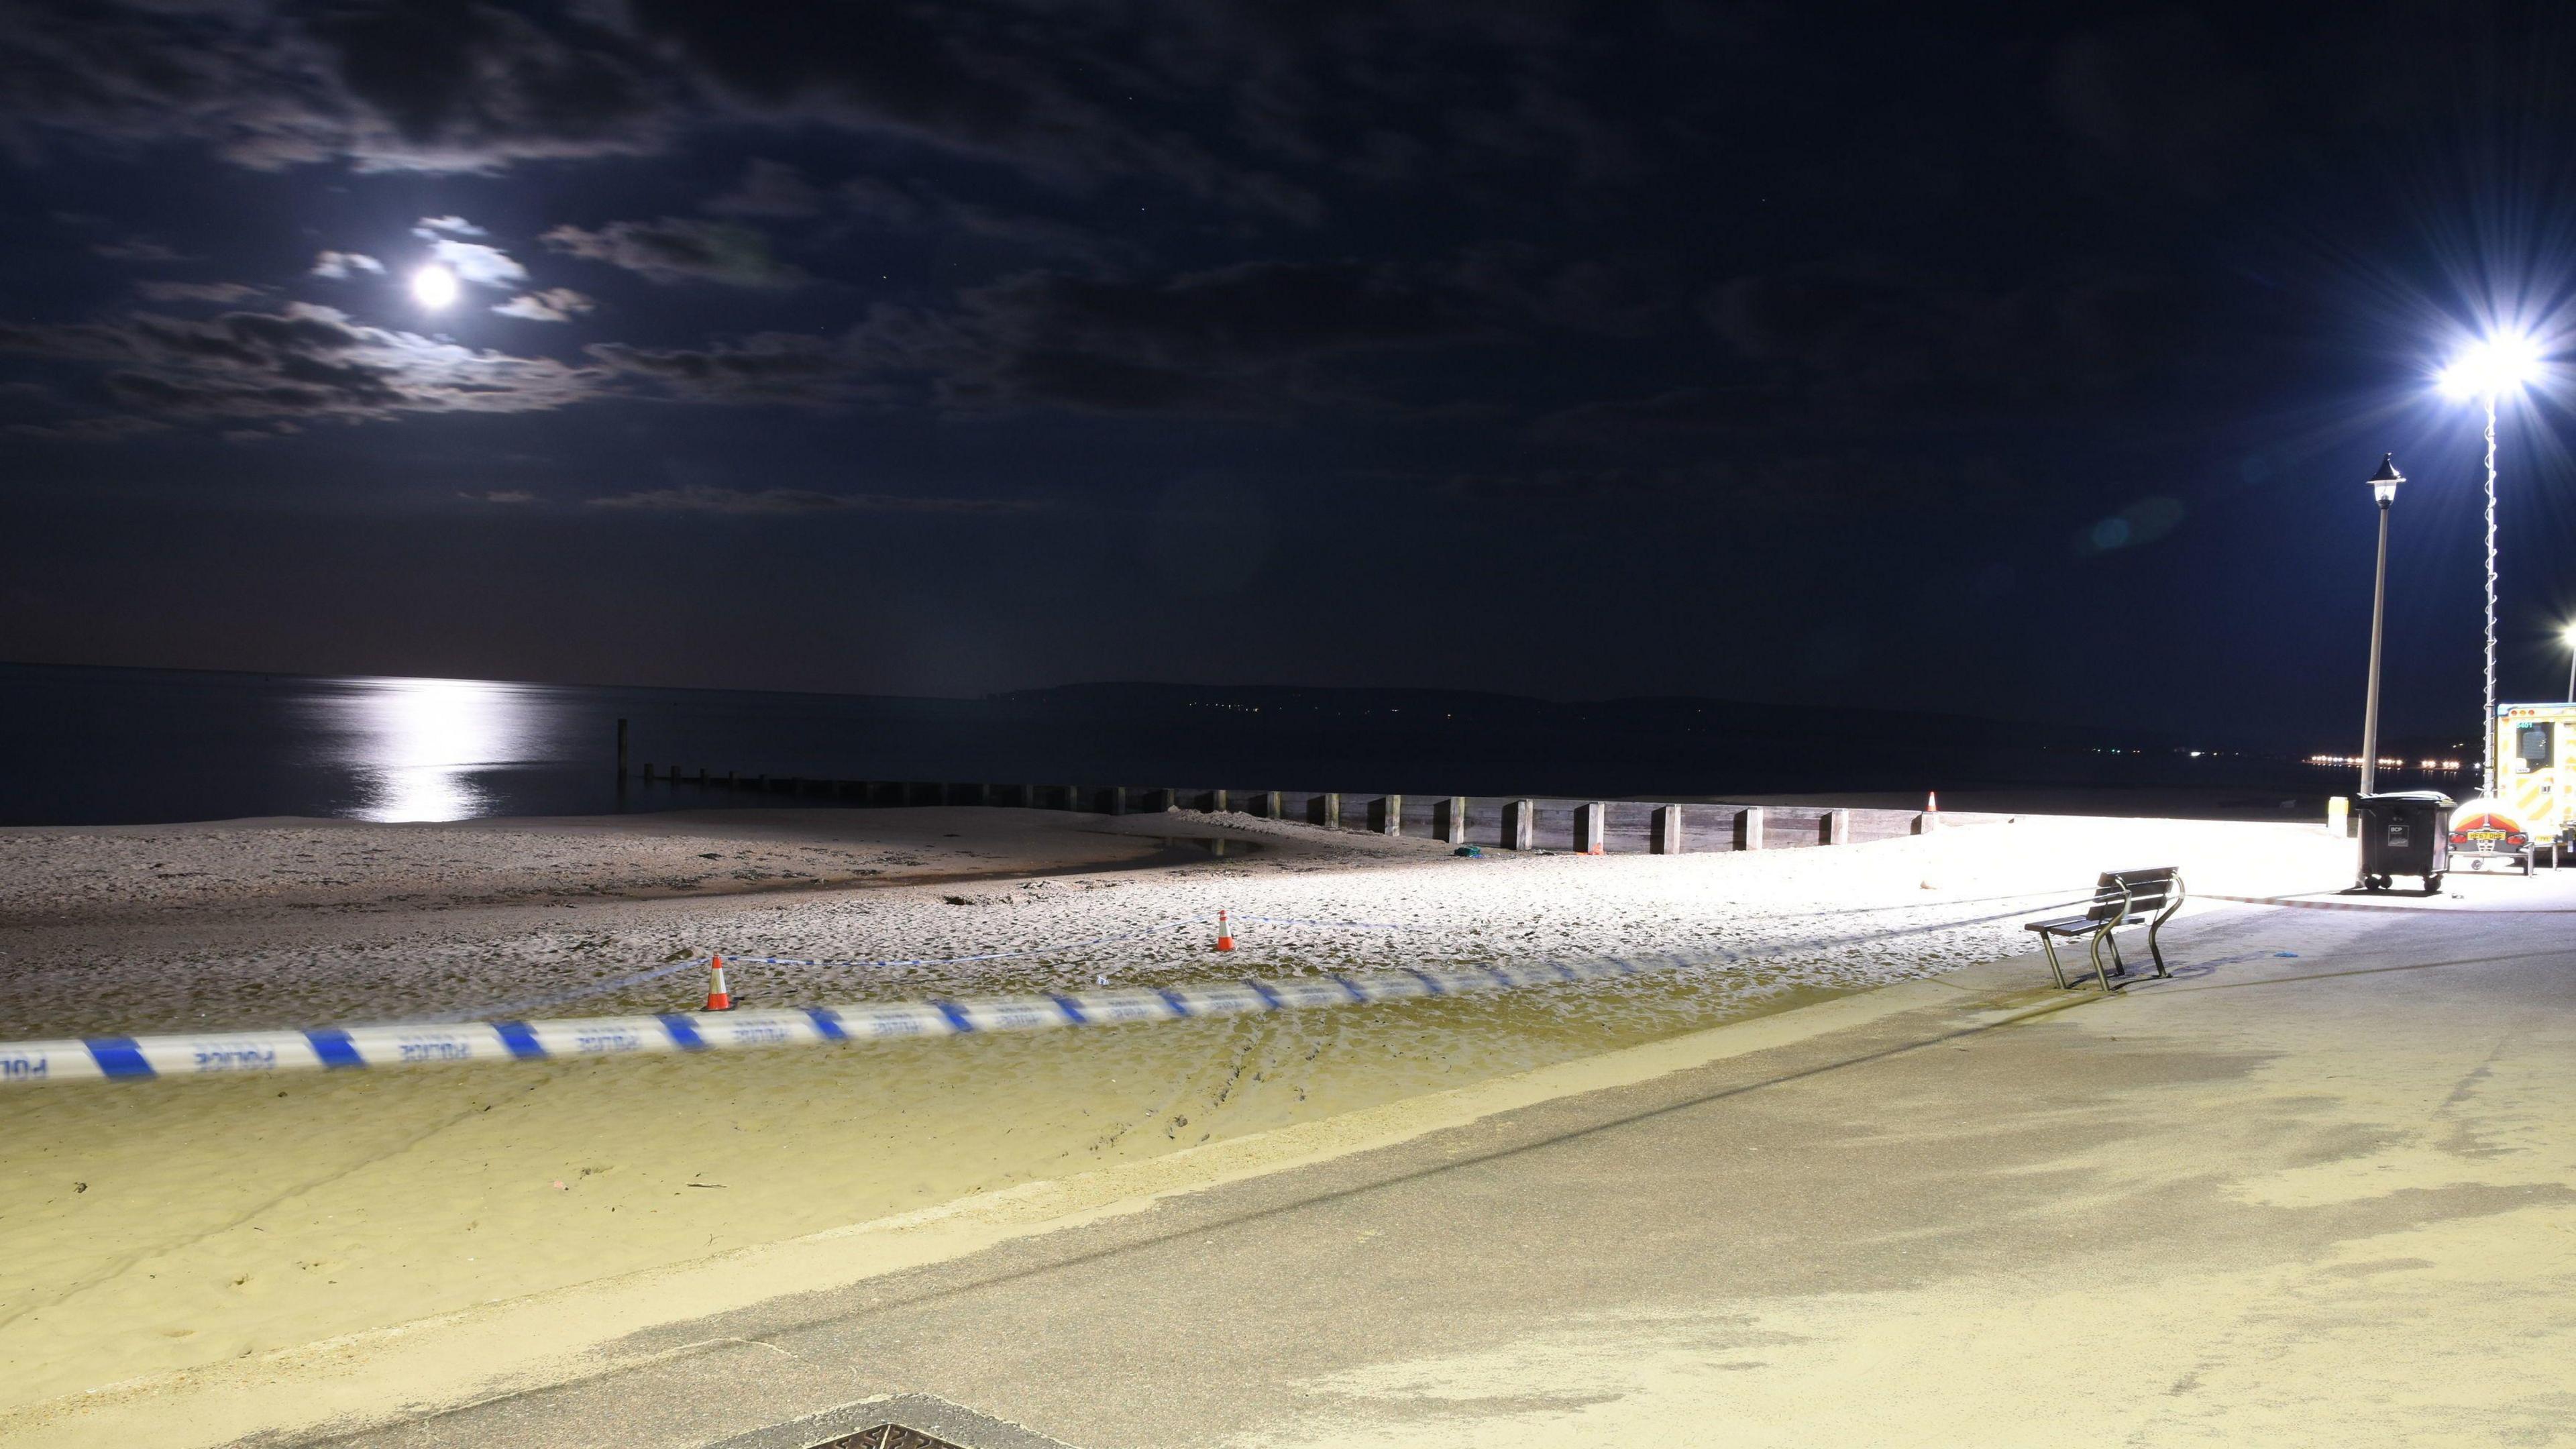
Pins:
x,y
2406,832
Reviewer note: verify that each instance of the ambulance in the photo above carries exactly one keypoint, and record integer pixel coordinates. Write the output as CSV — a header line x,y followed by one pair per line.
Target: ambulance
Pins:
x,y
2535,796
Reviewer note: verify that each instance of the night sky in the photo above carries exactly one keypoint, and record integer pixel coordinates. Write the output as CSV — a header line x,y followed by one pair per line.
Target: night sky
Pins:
x,y
2022,363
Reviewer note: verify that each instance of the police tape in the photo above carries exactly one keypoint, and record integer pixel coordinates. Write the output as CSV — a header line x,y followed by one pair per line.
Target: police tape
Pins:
x,y
431,1043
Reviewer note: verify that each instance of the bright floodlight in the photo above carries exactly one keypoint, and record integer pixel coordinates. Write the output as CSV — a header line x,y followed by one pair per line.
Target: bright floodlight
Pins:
x,y
433,287
2493,367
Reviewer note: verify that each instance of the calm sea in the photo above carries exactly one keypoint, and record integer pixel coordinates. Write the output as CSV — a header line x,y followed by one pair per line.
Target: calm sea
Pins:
x,y
118,746
125,746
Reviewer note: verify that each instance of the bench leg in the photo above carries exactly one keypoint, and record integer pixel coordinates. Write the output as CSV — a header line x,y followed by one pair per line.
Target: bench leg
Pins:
x,y
2153,949
2099,974
2054,969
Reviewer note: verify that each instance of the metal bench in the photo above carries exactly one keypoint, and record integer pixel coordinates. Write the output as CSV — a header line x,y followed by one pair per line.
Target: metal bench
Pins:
x,y
2121,898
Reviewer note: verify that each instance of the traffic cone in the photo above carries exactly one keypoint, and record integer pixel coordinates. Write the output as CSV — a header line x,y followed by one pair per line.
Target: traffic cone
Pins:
x,y
719,997
1931,802
1224,931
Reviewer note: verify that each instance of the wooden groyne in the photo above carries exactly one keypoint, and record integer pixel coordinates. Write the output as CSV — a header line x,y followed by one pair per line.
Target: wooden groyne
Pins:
x,y
1506,822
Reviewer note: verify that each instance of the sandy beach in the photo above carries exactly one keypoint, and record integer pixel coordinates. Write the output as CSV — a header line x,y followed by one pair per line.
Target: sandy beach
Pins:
x,y
306,923
180,1228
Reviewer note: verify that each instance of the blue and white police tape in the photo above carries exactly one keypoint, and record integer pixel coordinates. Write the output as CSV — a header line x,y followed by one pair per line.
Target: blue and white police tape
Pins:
x,y
433,1043
428,1043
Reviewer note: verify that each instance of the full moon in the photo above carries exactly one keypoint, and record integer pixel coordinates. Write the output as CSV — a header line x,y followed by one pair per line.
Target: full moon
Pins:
x,y
433,287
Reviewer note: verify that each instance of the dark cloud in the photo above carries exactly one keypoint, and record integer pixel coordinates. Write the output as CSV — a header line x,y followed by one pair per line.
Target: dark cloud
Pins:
x,y
552,304
1249,338
1556,485
700,498
1892,342
451,87
1681,410
137,249
776,190
466,85
778,368
301,362
101,427
24,404
339,266
918,208
222,293
1041,86
771,189
1072,94
680,249
1626,295
1766,479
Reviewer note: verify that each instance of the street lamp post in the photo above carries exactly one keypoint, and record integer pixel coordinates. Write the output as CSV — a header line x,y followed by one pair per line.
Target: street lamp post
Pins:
x,y
2487,371
2383,490
2568,637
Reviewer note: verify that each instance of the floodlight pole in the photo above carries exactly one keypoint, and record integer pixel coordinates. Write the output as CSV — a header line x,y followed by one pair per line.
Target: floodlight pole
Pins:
x,y
2486,725
2501,362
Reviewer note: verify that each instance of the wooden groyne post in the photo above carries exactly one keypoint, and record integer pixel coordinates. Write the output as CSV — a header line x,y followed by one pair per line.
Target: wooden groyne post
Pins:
x,y
1516,824
1449,819
1668,830
1748,827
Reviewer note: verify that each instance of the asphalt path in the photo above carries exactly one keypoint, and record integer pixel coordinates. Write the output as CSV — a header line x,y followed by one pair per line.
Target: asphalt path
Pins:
x,y
2315,1189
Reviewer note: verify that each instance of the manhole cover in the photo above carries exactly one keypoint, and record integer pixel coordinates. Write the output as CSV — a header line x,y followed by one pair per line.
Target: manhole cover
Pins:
x,y
887,1436
894,1421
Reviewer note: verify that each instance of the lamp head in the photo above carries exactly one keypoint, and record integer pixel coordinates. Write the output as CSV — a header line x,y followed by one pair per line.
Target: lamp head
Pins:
x,y
2383,484
2493,366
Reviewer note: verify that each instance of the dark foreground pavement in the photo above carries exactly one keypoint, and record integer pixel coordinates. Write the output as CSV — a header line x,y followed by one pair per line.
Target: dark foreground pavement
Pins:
x,y
2317,1198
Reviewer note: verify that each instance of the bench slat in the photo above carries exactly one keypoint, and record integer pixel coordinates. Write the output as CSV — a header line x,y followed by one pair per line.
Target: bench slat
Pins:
x,y
2067,925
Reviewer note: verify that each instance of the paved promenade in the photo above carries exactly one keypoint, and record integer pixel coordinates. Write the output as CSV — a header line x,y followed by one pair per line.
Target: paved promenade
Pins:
x,y
2321,1189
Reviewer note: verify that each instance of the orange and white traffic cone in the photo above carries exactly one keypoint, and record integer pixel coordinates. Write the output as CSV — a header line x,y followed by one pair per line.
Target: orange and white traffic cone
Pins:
x,y
1931,802
719,997
1224,931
